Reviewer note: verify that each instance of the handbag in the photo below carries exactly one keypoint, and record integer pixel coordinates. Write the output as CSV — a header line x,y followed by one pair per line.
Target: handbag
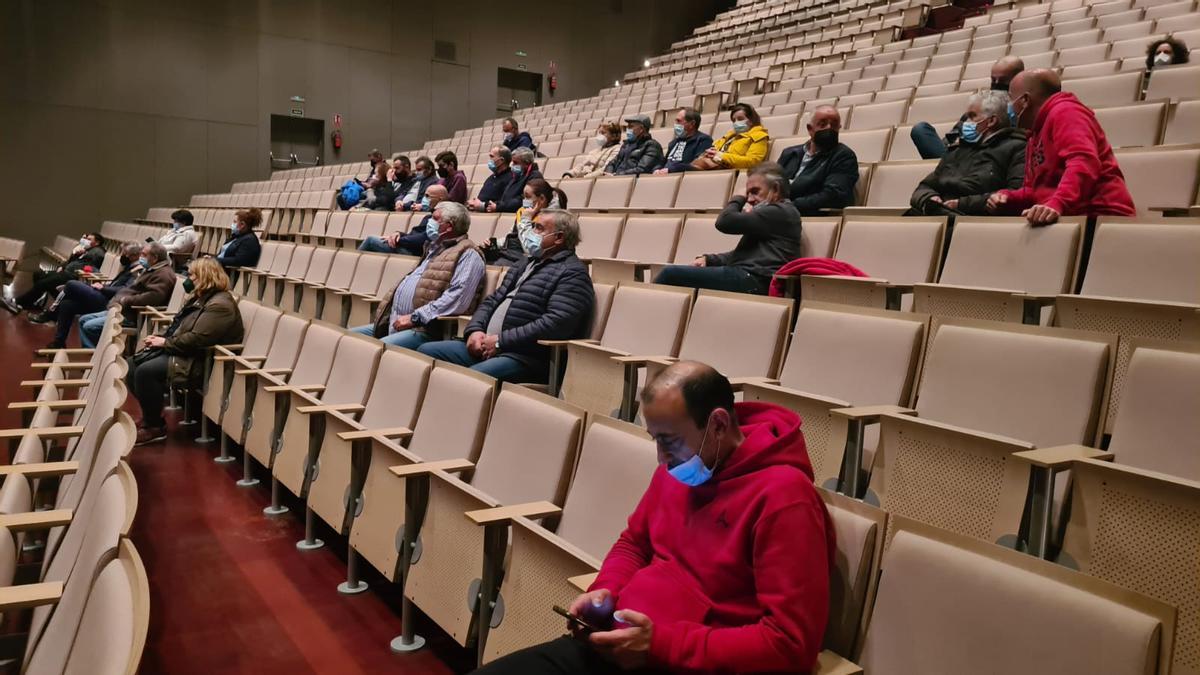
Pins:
x,y
143,355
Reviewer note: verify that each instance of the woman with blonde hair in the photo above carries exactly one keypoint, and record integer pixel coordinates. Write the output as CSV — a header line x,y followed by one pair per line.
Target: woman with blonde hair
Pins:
x,y
608,144
208,317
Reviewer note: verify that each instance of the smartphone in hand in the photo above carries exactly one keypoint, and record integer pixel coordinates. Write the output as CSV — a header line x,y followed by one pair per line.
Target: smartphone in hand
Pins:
x,y
578,622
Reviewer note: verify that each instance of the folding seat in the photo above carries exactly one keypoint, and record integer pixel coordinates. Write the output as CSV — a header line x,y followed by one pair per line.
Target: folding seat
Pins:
x,y
374,225
892,183
600,235
314,295
1040,50
935,109
942,75
1156,11
352,233
483,227
643,319
265,259
1128,17
955,59
1175,83
1183,123
531,481
615,465
280,359
1178,23
1088,53
947,465
877,70
334,228
781,125
611,192
1129,31
364,285
1162,178
938,587
1137,125
834,89
895,252
882,348
701,190
870,145
645,239
914,66
1000,269
271,284
293,287
253,350
875,115
578,190
1090,70
317,231
652,192
900,80
1109,90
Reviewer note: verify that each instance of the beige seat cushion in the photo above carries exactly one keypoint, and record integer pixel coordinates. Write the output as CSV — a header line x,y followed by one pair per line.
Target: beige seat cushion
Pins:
x,y
1157,426
511,469
646,320
759,326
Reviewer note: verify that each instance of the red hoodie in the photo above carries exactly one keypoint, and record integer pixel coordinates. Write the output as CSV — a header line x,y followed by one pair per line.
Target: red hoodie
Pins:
x,y
1069,165
733,573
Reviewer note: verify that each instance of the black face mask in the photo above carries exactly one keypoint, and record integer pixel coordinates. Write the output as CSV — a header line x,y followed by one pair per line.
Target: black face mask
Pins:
x,y
999,85
825,139
444,173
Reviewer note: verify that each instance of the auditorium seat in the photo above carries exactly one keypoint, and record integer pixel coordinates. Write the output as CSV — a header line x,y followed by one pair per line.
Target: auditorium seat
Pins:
x,y
365,283
1134,125
280,359
892,183
1183,123
266,258
901,146
318,270
529,480
270,284
1161,177
652,192
645,239
937,589
1175,83
1107,90
315,293
252,351
895,253
334,228
875,115
608,192
615,464
884,349
451,419
704,190
363,305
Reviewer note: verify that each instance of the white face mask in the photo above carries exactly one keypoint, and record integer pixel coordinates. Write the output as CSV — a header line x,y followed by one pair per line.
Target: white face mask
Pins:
x,y
1162,59
601,140
233,227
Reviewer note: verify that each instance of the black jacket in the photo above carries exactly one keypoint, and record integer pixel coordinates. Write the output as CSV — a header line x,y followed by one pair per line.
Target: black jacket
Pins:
x,y
640,156
692,148
969,172
521,140
494,187
93,257
554,303
770,237
243,250
510,201
826,183
386,194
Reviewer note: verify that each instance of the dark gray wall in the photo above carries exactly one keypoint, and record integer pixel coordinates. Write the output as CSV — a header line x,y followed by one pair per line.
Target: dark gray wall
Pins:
x,y
108,107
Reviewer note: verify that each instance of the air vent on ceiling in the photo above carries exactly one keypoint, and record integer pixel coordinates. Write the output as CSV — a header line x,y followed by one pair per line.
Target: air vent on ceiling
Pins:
x,y
444,50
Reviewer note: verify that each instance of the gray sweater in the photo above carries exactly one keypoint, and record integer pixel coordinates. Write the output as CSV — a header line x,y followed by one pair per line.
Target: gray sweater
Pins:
x,y
770,237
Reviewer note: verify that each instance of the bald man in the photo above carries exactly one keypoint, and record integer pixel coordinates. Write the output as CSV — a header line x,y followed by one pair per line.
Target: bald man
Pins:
x,y
823,171
412,243
925,137
724,565
1070,169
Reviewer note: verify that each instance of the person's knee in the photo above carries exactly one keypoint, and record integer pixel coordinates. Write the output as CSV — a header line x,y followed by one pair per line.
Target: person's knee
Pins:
x,y
921,129
368,330
668,275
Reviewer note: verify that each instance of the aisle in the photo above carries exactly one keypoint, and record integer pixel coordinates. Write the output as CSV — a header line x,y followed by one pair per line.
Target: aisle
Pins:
x,y
230,591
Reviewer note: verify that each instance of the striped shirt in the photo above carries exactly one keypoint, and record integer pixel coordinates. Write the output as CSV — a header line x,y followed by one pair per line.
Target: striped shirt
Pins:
x,y
456,299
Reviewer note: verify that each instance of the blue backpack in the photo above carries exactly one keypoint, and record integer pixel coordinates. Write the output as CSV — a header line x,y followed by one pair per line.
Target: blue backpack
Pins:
x,y
350,195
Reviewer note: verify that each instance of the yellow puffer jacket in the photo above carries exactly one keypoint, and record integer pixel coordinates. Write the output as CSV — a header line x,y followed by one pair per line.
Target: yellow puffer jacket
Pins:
x,y
744,151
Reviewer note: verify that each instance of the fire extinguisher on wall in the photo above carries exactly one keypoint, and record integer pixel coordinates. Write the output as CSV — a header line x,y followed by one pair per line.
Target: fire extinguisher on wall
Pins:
x,y
335,138
553,77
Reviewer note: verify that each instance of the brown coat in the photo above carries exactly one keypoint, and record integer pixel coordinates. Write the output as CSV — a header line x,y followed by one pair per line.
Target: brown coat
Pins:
x,y
434,281
152,287
200,324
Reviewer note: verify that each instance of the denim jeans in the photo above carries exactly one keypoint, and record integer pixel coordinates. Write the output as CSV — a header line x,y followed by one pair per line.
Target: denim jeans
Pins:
x,y
503,367
723,278
90,327
408,339
377,245
929,144
79,299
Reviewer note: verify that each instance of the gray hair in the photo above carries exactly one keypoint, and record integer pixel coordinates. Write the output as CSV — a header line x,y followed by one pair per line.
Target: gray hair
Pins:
x,y
157,250
992,104
132,249
456,214
523,156
772,175
564,221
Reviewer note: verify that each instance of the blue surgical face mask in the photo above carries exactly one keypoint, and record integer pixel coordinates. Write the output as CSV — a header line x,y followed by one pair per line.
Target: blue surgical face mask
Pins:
x,y
970,132
492,165
1013,118
629,135
144,262
432,229
532,243
527,204
693,472
517,169
679,131
233,228
508,137
424,203
741,126
175,225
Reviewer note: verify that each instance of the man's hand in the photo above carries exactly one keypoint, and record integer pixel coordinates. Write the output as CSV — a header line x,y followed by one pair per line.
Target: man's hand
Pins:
x,y
996,200
97,285
402,322
951,204
393,239
699,262
660,172
583,604
475,345
936,199
155,341
489,346
1040,215
415,206
475,205
491,207
628,647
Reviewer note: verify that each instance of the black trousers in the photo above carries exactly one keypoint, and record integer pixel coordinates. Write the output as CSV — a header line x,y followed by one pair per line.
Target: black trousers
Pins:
x,y
43,283
78,299
148,382
564,656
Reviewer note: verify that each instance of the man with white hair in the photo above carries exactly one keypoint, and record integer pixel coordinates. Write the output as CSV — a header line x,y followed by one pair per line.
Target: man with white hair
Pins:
x,y
447,282
988,155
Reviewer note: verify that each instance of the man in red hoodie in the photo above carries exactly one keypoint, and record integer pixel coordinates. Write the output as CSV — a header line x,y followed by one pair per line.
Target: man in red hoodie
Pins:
x,y
724,566
1070,169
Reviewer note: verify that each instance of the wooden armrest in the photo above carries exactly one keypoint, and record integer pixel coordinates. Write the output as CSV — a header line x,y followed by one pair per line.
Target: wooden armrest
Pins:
x,y
584,581
59,383
829,663
263,371
73,365
221,358
40,469
229,349
1060,457
65,350
359,434
24,596
35,520
665,360
739,383
297,388
563,343
66,404
341,292
338,407
872,413
43,432
417,468
504,514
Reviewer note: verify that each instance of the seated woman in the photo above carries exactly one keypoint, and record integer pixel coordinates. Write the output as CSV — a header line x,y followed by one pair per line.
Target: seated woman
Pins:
x,y
608,144
742,147
209,317
1165,52
538,196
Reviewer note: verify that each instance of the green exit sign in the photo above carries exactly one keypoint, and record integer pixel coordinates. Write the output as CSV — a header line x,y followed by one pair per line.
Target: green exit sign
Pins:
x,y
521,53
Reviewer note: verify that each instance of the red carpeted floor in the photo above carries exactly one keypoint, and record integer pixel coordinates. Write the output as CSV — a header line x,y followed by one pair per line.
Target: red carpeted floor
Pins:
x,y
230,591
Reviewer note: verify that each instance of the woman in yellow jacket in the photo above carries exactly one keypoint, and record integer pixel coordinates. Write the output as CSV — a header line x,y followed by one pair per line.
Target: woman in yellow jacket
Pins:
x,y
742,147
